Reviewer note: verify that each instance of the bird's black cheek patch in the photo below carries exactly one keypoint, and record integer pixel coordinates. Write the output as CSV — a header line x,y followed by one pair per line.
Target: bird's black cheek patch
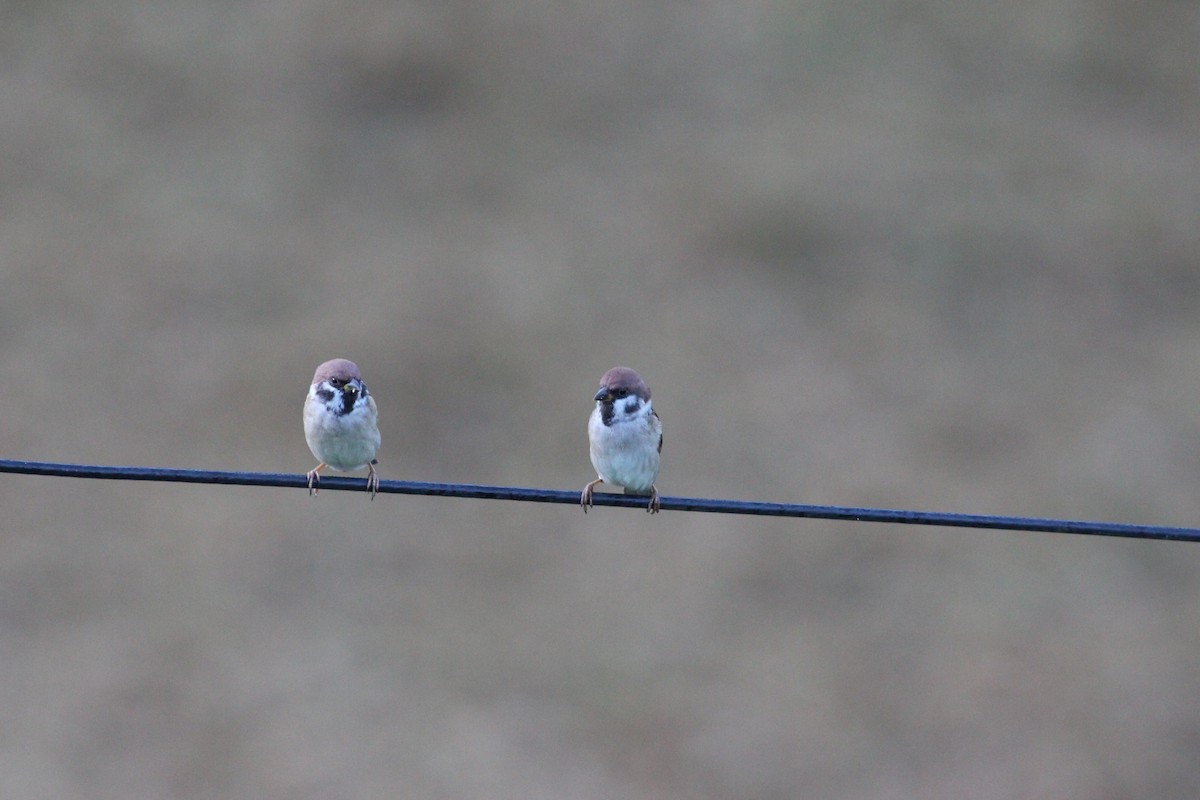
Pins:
x,y
325,395
632,406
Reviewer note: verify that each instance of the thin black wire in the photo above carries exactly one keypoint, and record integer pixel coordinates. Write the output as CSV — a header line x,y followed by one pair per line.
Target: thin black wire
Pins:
x,y
571,497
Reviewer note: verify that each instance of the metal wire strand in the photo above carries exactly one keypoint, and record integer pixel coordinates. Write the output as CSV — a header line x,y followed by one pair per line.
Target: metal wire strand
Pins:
x,y
571,497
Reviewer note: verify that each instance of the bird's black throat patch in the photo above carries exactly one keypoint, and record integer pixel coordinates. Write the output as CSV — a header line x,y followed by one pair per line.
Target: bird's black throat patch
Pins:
x,y
348,399
607,412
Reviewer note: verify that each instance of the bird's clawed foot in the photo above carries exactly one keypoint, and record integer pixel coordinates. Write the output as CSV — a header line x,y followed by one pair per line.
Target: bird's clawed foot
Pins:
x,y
585,497
314,480
654,504
372,479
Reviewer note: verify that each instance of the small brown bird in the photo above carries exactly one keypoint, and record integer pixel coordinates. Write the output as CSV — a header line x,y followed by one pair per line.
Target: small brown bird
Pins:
x,y
341,423
626,437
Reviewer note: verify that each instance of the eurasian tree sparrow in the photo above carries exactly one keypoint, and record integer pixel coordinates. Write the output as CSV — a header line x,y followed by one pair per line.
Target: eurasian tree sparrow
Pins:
x,y
340,423
626,437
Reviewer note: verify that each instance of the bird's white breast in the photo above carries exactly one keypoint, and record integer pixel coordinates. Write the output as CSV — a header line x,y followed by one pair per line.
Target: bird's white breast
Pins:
x,y
347,441
625,453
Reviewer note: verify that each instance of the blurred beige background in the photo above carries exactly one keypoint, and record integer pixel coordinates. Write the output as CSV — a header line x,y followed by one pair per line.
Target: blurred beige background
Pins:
x,y
921,255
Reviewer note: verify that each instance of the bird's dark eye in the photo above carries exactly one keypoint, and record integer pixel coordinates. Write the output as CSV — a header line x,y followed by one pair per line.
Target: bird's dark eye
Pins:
x,y
336,382
619,393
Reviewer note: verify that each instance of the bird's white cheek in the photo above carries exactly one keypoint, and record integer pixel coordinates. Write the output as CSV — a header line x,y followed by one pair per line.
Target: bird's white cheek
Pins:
x,y
635,411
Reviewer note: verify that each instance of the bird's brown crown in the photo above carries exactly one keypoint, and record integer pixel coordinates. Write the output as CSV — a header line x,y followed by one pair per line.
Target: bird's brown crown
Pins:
x,y
625,378
340,368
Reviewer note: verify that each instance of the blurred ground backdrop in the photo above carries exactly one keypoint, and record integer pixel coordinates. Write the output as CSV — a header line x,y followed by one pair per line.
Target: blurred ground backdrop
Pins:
x,y
920,254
